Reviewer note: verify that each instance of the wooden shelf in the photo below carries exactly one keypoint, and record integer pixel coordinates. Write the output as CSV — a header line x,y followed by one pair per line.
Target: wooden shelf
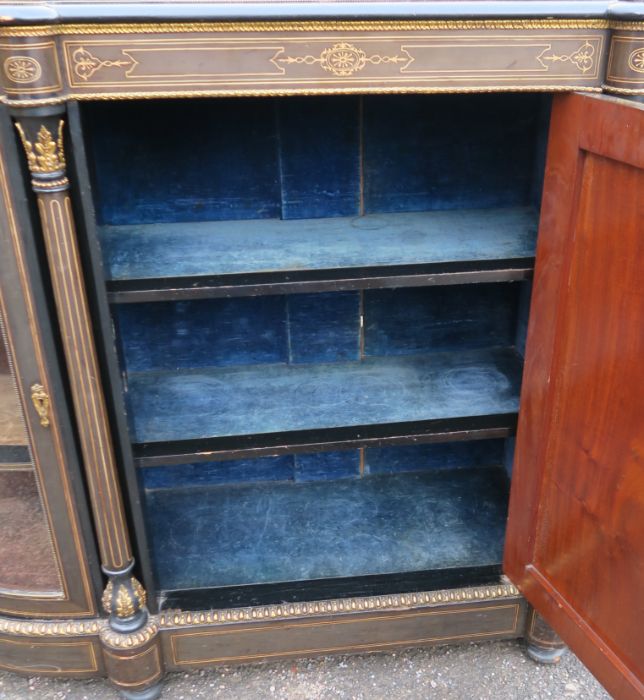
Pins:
x,y
428,520
267,409
236,258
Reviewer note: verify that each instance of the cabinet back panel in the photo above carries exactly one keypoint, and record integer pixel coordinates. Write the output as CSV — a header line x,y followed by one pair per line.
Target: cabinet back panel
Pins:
x,y
311,328
319,157
304,158
419,320
448,151
335,464
184,161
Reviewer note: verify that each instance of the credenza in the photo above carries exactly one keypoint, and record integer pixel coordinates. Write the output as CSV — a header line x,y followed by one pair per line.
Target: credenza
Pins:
x,y
322,332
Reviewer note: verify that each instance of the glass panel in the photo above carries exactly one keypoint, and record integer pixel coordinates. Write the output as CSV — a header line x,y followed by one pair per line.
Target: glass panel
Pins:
x,y
12,428
28,562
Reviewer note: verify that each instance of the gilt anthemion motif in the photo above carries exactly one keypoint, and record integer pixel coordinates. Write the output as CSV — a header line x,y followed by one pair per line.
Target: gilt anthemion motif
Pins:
x,y
46,155
86,64
583,57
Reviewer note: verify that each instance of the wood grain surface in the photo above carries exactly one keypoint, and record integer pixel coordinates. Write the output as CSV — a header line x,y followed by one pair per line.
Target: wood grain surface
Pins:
x,y
575,539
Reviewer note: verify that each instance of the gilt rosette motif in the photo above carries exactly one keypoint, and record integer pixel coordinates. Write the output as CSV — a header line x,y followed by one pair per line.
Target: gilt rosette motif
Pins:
x,y
344,59
636,60
22,69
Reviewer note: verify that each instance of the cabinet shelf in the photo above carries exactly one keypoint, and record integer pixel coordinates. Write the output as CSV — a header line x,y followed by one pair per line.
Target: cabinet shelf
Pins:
x,y
236,258
438,520
234,411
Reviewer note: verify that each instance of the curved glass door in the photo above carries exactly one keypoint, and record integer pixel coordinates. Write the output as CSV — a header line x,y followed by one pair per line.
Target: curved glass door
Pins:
x,y
28,561
48,564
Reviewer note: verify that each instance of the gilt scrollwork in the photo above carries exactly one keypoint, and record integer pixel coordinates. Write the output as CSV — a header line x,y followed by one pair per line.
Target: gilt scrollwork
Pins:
x,y
344,59
582,57
86,64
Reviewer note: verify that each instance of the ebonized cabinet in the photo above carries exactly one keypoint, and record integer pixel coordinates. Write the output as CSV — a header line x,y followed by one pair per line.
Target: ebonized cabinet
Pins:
x,y
290,336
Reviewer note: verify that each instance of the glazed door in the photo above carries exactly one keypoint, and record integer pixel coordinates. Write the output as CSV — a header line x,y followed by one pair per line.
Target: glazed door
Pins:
x,y
46,560
575,539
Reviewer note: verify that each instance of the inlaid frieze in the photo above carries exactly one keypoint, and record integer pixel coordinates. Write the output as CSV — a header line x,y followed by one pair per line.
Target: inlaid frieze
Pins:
x,y
119,61
625,70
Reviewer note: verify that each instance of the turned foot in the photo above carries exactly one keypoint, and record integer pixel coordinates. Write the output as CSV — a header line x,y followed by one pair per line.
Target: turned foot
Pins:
x,y
151,693
543,644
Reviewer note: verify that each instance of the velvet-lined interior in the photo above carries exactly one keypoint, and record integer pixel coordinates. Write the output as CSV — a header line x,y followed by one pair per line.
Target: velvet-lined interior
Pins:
x,y
303,158
266,532
317,328
329,465
226,367
228,186
203,248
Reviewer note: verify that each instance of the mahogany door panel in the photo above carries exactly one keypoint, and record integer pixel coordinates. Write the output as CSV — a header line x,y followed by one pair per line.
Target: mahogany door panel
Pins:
x,y
575,542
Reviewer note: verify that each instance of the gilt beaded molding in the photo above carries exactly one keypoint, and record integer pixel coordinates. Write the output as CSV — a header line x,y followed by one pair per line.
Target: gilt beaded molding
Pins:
x,y
49,628
285,611
312,26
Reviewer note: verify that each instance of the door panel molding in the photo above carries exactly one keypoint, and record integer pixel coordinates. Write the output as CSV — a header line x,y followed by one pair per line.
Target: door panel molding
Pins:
x,y
575,541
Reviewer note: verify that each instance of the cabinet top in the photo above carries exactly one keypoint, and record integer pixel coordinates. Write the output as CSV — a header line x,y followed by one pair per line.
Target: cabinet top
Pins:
x,y
64,11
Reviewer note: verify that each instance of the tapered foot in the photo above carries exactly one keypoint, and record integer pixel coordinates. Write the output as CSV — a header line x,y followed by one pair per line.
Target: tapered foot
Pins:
x,y
543,644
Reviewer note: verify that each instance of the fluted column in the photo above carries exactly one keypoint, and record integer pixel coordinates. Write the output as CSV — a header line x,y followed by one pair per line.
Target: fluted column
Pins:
x,y
130,640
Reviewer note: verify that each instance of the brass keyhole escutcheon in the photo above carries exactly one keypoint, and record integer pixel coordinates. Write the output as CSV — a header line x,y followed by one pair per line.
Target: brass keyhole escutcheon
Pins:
x,y
40,400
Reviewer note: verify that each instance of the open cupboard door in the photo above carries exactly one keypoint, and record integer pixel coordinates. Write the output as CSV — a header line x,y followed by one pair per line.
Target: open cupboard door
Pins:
x,y
575,538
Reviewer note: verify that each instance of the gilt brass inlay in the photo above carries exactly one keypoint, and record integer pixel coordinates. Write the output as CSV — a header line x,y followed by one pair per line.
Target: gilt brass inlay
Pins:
x,y
583,57
86,64
40,400
22,69
46,155
395,601
636,60
345,59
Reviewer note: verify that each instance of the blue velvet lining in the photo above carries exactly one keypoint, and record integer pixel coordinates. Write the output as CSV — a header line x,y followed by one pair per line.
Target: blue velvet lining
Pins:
x,y
311,157
335,464
419,320
304,158
324,327
319,157
448,151
281,531
184,160
449,455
